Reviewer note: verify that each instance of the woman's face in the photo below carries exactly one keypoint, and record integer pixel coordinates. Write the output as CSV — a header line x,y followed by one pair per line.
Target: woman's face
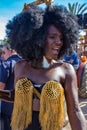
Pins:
x,y
54,43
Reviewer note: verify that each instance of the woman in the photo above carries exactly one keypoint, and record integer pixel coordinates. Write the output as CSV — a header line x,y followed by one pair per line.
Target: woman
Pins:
x,y
41,80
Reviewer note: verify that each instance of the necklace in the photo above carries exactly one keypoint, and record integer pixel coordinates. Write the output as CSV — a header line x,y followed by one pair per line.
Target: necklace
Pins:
x,y
46,64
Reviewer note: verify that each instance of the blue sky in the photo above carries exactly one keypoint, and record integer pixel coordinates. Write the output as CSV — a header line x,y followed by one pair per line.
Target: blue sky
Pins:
x,y
9,8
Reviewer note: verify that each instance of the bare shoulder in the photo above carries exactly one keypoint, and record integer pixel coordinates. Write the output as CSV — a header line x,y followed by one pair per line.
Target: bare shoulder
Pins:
x,y
69,69
70,76
19,64
19,69
69,72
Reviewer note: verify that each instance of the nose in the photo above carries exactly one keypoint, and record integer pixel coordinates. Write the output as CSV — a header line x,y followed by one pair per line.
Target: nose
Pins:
x,y
58,41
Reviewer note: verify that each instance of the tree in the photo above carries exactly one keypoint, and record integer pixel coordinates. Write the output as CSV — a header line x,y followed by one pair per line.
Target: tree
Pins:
x,y
5,41
77,8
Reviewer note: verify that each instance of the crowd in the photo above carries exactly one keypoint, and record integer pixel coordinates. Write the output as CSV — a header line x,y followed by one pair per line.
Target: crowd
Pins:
x,y
9,58
39,83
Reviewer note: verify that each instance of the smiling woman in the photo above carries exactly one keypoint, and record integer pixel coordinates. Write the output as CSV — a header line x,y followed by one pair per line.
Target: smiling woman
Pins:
x,y
54,36
42,81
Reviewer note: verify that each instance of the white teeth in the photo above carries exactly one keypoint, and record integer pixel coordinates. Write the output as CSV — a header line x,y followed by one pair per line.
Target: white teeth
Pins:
x,y
56,48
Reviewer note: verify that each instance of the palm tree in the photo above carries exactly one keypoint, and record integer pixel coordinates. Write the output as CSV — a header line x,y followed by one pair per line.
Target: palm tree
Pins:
x,y
77,8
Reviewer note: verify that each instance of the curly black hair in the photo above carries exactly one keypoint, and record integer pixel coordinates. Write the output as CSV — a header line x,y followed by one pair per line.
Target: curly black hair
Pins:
x,y
27,31
20,29
64,21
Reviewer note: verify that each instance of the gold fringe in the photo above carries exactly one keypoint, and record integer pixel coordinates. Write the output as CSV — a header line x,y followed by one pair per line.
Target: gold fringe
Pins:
x,y
52,106
22,112
51,114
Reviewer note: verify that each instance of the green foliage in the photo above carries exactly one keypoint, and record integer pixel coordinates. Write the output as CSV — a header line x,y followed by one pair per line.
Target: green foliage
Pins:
x,y
77,8
5,41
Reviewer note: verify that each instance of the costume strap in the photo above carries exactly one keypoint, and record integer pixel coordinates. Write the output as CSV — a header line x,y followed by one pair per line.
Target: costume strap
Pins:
x,y
52,106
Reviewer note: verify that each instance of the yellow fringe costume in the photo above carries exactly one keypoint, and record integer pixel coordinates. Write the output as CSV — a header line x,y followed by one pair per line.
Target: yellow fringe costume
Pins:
x,y
51,115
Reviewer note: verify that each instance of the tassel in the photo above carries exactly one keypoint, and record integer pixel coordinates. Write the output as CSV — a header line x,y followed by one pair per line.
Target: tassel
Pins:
x,y
51,114
52,106
22,112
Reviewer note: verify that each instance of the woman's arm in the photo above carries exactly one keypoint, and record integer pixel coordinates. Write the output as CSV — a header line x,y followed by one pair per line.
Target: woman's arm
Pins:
x,y
76,117
7,95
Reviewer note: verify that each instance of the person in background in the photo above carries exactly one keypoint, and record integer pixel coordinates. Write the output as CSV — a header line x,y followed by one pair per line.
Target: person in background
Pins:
x,y
41,81
10,57
71,57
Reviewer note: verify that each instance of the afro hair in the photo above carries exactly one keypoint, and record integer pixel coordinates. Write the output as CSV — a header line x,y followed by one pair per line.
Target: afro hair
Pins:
x,y
20,29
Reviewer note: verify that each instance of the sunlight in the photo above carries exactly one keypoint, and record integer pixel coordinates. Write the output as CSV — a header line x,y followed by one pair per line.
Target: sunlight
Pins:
x,y
2,29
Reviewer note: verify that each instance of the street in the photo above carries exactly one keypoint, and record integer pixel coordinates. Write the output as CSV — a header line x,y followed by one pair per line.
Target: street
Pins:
x,y
83,106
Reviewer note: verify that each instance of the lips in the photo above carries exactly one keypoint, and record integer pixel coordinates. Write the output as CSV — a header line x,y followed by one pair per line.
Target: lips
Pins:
x,y
55,50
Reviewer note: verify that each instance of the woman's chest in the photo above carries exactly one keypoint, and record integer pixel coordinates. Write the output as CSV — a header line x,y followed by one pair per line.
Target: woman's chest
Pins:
x,y
42,76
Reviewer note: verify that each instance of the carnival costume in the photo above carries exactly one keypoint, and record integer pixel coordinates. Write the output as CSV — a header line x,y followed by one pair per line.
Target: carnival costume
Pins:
x,y
51,115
